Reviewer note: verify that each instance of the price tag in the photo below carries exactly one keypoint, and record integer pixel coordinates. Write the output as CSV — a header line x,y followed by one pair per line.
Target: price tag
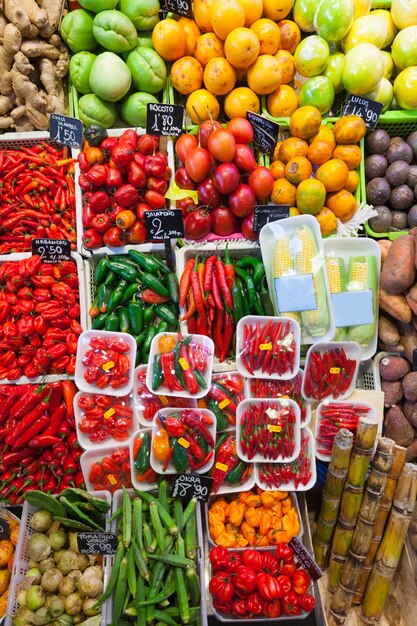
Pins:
x,y
108,366
335,370
4,529
265,213
183,364
221,466
52,250
66,130
273,428
163,399
97,543
265,132
164,224
306,559
224,403
164,119
368,110
107,415
187,486
415,359
183,442
265,346
111,479
181,7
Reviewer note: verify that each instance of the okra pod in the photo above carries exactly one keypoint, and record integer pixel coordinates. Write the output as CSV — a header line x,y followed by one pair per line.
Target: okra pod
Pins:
x,y
182,598
139,560
191,538
189,510
157,526
137,523
120,594
164,516
149,539
127,518
113,576
193,584
141,615
172,559
166,619
163,495
116,514
131,573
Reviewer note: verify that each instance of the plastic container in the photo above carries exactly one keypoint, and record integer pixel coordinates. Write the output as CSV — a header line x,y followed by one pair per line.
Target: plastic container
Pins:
x,y
147,403
290,485
267,388
80,369
357,247
107,412
201,340
277,402
21,559
170,412
226,391
220,469
352,351
289,342
140,486
296,287
319,417
89,457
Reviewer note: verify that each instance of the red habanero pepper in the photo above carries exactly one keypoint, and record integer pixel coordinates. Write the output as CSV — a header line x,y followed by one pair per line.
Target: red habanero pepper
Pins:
x,y
219,558
306,602
301,581
290,604
254,604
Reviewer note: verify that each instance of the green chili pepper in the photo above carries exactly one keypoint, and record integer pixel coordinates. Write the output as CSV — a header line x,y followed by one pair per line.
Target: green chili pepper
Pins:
x,y
135,311
256,265
247,279
139,343
101,270
161,264
157,377
259,308
179,456
104,294
124,321
115,299
150,334
130,292
267,302
148,315
166,314
222,422
145,261
149,280
99,321
112,322
125,270
163,327
110,278
237,302
142,462
172,285
177,367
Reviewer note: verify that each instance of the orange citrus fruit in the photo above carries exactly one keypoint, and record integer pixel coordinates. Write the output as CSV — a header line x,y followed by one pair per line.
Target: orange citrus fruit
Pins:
x,y
241,47
264,76
192,33
202,14
239,101
208,47
186,75
268,34
333,174
290,35
219,76
324,133
253,10
225,16
282,102
305,122
201,105
168,39
277,9
287,63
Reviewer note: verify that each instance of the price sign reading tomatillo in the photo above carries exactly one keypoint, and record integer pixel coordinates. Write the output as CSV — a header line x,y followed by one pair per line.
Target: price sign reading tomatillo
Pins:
x,y
164,224
97,543
265,213
265,132
368,110
164,119
187,486
181,7
66,130
52,250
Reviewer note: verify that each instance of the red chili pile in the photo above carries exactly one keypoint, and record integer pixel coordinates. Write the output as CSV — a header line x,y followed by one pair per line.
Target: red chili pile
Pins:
x,y
263,388
36,196
107,362
39,446
104,417
256,584
111,472
333,417
328,373
268,429
270,348
275,475
39,318
149,403
122,179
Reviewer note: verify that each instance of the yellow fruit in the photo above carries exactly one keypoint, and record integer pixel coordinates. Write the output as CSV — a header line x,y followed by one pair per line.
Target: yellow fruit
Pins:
x,y
219,76
253,10
327,221
241,47
225,16
192,33
186,75
277,9
264,76
202,105
168,39
287,63
208,47
239,101
269,35
202,14
282,102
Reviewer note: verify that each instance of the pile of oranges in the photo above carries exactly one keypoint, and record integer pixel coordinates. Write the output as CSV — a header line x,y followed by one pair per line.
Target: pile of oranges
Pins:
x,y
236,49
314,168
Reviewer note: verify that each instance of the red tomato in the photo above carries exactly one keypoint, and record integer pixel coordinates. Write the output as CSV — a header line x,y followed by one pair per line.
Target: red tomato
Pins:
x,y
204,131
222,145
141,210
226,177
183,179
241,129
198,164
208,194
247,227
224,222
197,224
242,200
184,145
261,180
244,158
187,205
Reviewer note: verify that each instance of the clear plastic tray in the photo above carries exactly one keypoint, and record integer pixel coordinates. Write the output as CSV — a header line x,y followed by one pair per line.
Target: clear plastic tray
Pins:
x,y
345,248
140,486
243,406
253,320
352,351
290,486
228,412
245,486
89,457
84,439
268,237
157,465
83,346
21,558
204,341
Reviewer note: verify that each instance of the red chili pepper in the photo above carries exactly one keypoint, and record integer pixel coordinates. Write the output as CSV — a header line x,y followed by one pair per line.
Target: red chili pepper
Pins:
x,y
185,282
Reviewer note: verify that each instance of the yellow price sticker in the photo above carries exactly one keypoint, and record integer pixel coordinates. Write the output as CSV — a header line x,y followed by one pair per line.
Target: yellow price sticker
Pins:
x,y
274,429
112,479
109,413
163,399
265,346
221,466
108,366
224,403
335,370
183,442
285,397
184,364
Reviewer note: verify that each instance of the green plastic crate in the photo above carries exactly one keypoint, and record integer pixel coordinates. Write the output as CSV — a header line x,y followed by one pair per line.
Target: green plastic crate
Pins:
x,y
381,4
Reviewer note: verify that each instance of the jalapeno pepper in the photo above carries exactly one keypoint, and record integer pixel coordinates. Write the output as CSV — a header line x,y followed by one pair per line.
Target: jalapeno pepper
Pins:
x,y
135,312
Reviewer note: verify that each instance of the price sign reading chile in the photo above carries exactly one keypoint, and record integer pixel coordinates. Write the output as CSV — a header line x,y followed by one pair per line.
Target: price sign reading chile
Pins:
x,y
368,110
66,130
52,250
181,7
97,543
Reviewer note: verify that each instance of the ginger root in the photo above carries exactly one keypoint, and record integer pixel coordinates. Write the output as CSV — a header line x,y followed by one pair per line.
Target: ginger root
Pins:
x,y
11,43
3,23
63,62
6,103
22,64
53,87
37,16
34,48
28,93
18,16
54,10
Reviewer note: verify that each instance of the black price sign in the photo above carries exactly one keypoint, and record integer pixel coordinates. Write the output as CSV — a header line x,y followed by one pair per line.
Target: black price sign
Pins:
x,y
306,559
4,529
66,130
368,110
97,543
164,119
414,359
164,224
265,213
187,486
265,132
52,250
181,7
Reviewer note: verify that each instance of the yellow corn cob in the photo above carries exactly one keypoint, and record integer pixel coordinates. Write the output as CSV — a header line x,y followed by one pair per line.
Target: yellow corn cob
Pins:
x,y
315,322
336,275
284,265
363,274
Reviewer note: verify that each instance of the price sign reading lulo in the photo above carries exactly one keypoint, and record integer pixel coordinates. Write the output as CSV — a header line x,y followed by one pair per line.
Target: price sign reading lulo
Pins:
x,y
66,130
164,224
368,110
265,213
187,486
52,250
181,7
97,543
164,119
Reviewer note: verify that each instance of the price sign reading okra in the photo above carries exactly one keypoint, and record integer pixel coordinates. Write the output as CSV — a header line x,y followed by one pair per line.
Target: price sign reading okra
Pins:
x,y
164,119
180,7
52,250
187,486
66,130
97,543
368,110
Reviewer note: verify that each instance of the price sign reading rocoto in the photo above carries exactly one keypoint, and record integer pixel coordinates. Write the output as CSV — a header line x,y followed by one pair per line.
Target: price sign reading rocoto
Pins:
x,y
187,486
181,7
97,543
164,119
368,110
52,250
66,130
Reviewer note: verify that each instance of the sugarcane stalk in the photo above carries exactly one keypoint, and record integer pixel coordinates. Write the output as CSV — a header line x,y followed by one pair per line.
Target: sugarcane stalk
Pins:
x,y
389,551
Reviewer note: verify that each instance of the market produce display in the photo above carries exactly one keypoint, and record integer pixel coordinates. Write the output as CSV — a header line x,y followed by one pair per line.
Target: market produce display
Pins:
x,y
7,553
331,417
106,361
330,372
143,473
223,397
266,388
110,472
229,471
299,472
147,404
